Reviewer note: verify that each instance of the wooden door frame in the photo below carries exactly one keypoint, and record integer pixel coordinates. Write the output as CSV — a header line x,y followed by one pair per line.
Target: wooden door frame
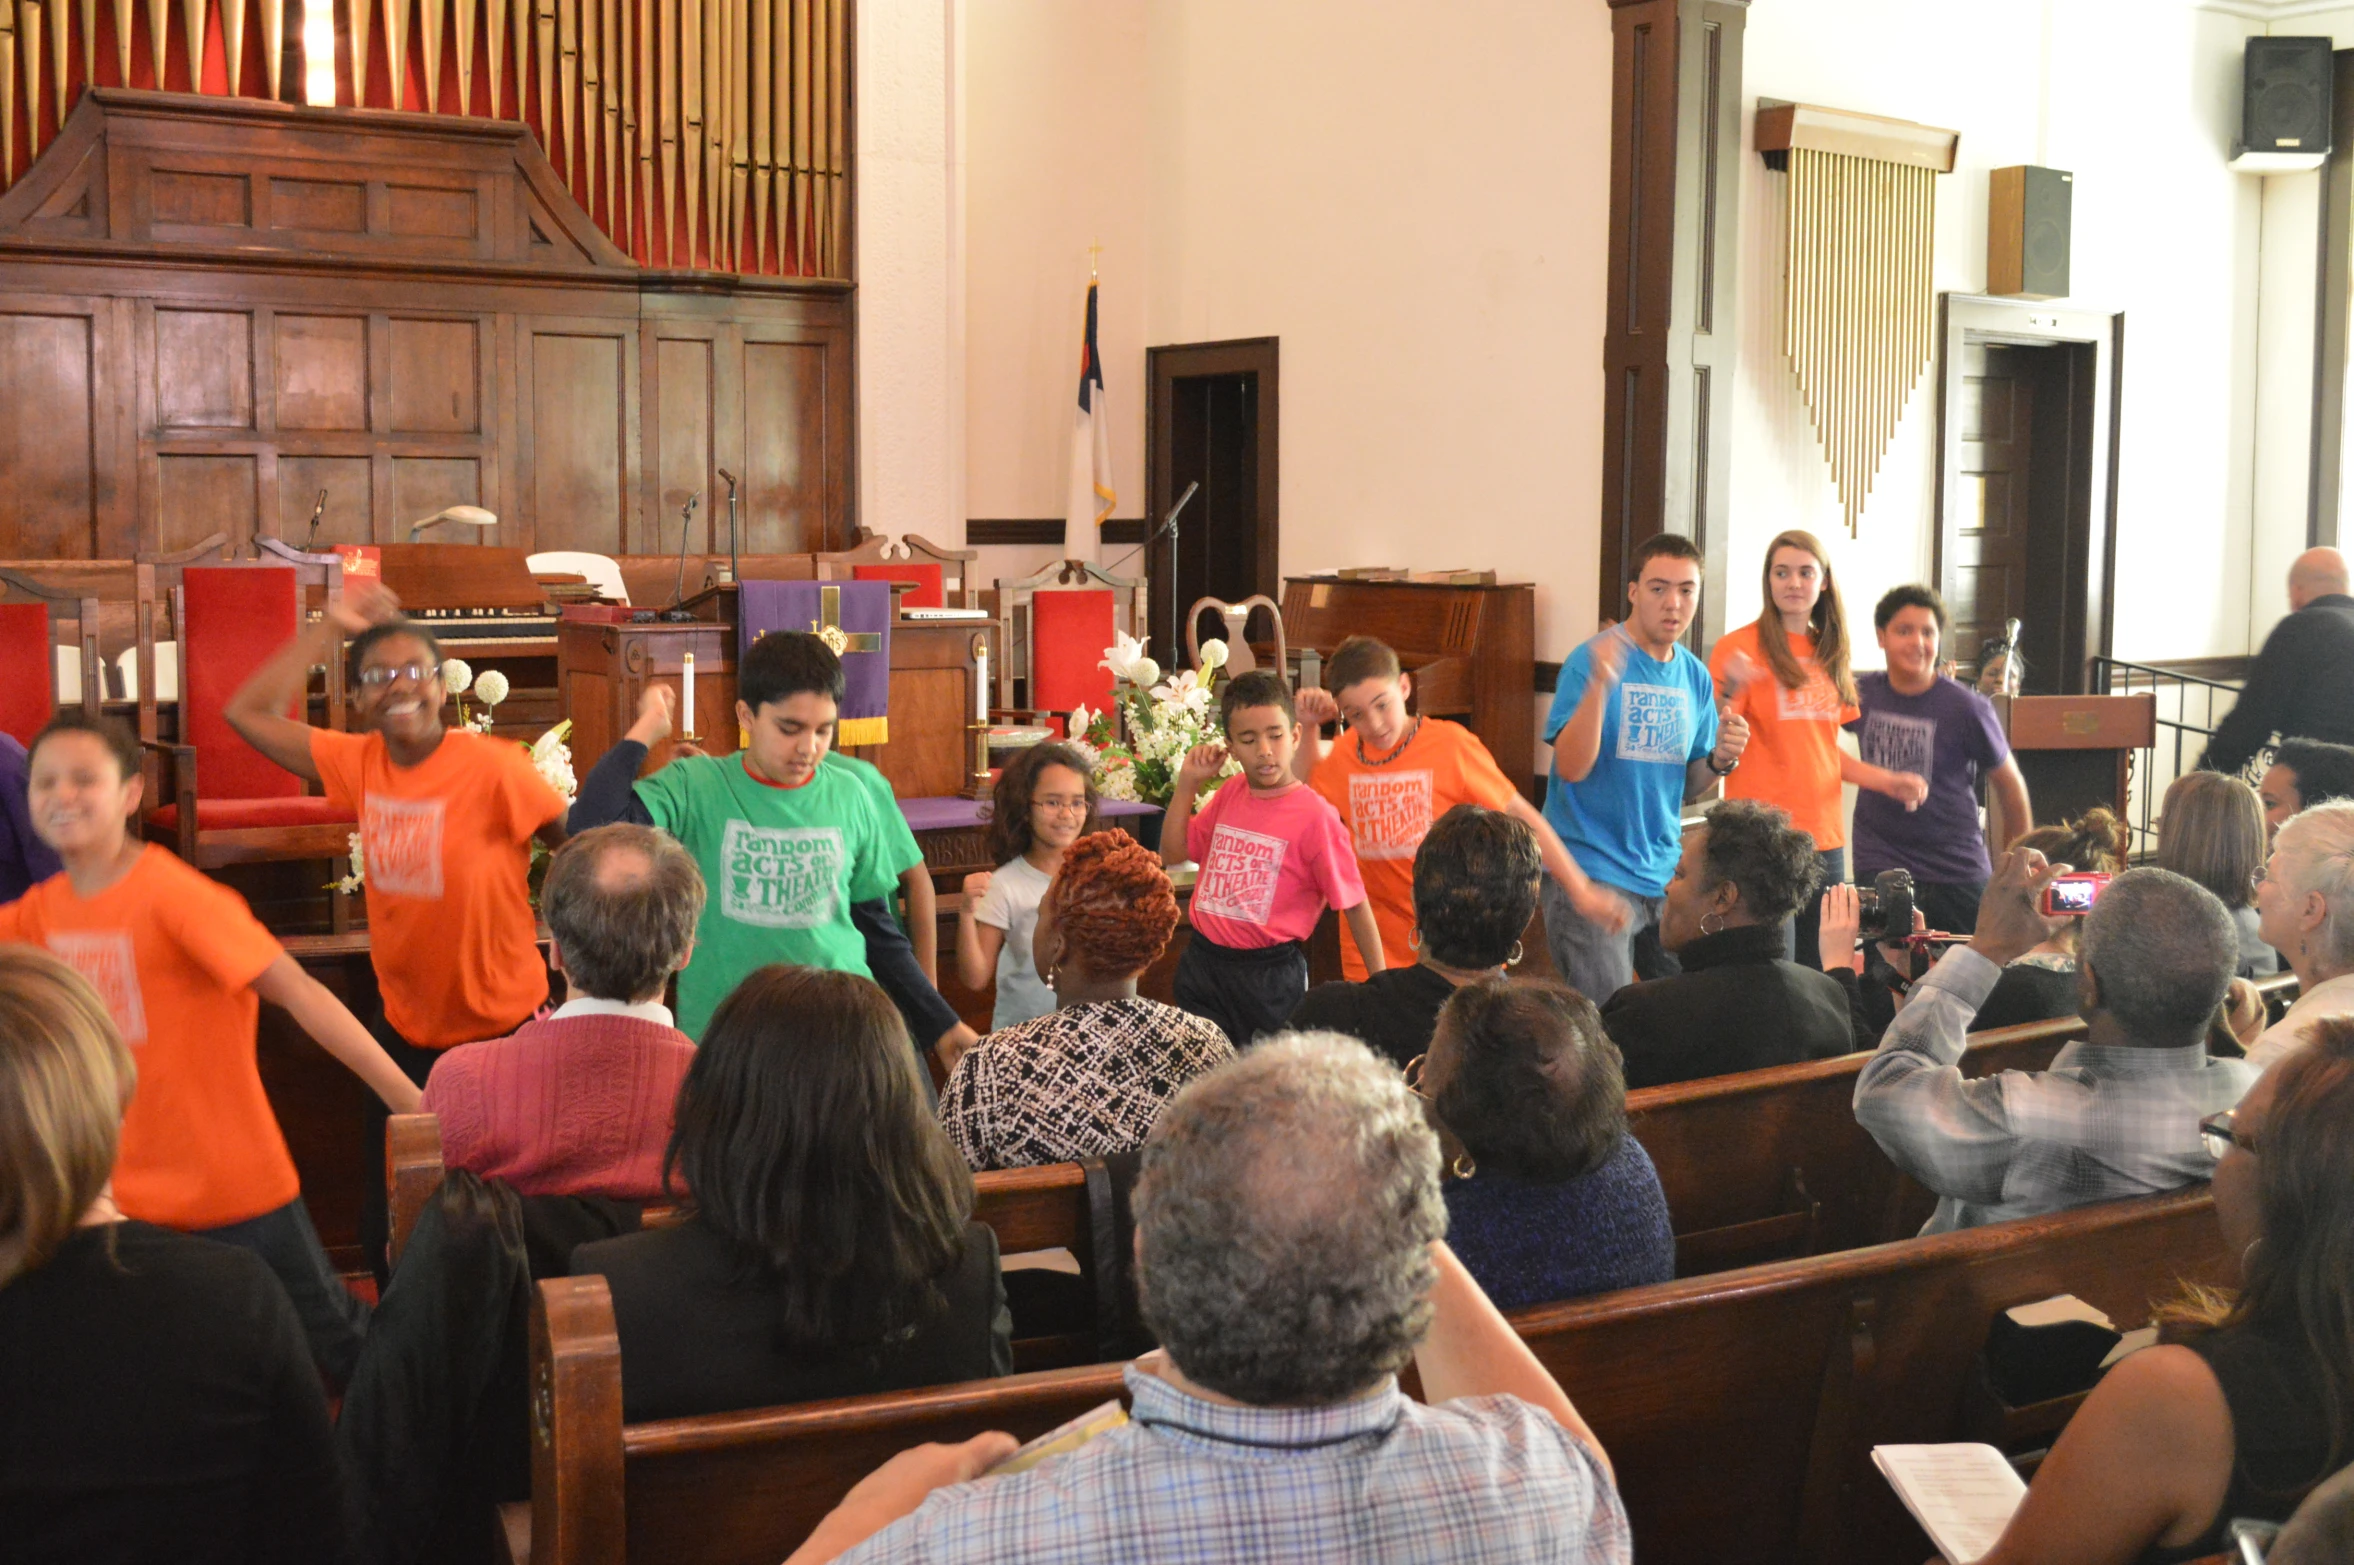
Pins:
x,y
1971,319
1164,366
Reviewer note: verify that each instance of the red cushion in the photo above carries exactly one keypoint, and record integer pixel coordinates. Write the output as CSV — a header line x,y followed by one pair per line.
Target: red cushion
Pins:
x,y
231,814
237,617
26,669
930,592
1069,633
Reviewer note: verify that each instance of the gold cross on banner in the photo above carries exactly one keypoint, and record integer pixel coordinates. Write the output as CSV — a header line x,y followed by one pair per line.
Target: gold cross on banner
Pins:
x,y
828,626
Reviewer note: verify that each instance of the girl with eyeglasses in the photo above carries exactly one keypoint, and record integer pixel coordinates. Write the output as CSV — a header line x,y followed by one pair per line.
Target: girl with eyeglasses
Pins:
x,y
1043,802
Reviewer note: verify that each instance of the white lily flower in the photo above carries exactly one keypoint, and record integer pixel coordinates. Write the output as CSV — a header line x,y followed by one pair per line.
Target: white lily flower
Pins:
x,y
551,757
1214,655
491,687
1184,688
456,677
1122,657
1081,721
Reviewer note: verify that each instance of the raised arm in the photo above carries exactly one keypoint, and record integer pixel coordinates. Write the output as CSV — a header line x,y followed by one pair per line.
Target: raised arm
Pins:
x,y
1201,764
1472,1351
1314,708
977,944
258,709
1578,744
317,1012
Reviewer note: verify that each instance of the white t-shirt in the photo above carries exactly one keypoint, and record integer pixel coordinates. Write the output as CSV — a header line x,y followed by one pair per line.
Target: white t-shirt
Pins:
x,y
1011,904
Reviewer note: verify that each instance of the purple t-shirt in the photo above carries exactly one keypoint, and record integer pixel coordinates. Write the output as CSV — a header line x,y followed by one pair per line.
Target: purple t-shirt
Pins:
x,y
1948,734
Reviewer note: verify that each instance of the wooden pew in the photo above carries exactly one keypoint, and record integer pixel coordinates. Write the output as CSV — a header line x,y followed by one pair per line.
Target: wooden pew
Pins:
x,y
1738,1409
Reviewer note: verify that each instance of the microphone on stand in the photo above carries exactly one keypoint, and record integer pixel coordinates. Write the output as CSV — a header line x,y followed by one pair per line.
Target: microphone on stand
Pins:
x,y
1168,529
317,511
734,567
686,526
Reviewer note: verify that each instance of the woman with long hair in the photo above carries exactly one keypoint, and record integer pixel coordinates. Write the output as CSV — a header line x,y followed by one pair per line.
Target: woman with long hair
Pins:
x,y
2250,1403
1043,801
1787,672
2211,830
829,1249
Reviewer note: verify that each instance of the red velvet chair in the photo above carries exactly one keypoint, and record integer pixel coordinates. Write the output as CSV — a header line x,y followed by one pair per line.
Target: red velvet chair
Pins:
x,y
217,800
48,650
1059,624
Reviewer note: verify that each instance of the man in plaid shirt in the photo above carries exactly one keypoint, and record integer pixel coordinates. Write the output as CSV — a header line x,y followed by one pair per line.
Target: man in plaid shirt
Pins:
x,y
1288,1221
2118,1112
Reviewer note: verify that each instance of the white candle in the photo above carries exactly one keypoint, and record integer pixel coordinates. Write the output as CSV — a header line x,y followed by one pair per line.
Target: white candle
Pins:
x,y
686,696
981,684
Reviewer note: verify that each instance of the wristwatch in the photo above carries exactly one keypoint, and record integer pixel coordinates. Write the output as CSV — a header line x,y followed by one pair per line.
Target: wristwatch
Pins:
x,y
1726,770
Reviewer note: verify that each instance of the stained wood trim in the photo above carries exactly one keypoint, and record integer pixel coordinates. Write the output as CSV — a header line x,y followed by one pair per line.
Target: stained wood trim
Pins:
x,y
1813,128
1044,530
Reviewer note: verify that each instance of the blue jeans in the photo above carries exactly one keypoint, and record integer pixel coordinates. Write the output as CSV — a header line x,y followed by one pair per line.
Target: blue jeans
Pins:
x,y
1592,960
333,1320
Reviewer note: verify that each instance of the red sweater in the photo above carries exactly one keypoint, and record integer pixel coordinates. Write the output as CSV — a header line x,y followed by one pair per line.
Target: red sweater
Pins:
x,y
578,1106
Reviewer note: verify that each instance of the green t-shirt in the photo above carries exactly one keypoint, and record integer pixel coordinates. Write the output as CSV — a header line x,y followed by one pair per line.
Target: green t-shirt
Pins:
x,y
783,867
900,852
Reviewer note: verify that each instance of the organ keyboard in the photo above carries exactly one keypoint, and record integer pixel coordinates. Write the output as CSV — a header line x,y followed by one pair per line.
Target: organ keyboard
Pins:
x,y
478,601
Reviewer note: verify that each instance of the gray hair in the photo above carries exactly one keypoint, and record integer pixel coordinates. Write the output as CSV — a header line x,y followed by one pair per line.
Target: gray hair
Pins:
x,y
2164,948
621,928
2316,849
1285,1214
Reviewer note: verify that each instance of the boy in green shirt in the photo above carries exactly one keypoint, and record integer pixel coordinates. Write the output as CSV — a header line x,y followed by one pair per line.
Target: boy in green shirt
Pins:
x,y
794,844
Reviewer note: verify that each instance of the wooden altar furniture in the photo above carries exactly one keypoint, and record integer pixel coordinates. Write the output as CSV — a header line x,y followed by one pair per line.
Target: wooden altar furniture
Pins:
x,y
94,609
1058,625
1234,621
935,578
1470,648
48,655
483,607
2076,751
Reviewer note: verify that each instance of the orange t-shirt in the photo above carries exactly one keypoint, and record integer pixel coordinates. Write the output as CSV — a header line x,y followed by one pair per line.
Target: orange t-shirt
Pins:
x,y
1388,810
1793,754
174,955
447,849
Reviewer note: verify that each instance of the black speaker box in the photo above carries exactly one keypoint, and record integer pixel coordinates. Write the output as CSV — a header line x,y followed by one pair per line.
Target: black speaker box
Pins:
x,y
2285,106
2027,231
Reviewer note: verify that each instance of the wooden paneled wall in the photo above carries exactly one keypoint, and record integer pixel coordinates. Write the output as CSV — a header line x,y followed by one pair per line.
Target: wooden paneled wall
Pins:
x,y
213,309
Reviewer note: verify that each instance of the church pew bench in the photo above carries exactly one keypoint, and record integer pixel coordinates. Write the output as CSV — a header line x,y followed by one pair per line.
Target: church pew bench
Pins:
x,y
1739,1409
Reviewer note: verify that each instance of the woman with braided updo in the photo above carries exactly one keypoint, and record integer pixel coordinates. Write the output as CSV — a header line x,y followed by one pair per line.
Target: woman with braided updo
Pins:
x,y
1088,1079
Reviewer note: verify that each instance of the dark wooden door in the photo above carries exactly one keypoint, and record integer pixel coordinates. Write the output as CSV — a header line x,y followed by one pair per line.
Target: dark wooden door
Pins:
x,y
1211,420
1986,580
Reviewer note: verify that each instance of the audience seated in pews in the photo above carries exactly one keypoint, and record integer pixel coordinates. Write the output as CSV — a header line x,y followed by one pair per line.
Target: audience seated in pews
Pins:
x,y
2308,883
1551,1197
2211,830
1475,890
1043,801
579,1102
2251,1402
1739,1004
1289,1257
25,860
2302,774
827,907
829,1249
183,966
156,1398
2040,985
1090,1078
2113,1116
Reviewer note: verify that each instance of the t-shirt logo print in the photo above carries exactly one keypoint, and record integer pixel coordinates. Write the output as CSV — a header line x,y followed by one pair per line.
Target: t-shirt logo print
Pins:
x,y
1651,724
107,962
1391,812
401,839
1813,702
1238,878
781,877
1901,744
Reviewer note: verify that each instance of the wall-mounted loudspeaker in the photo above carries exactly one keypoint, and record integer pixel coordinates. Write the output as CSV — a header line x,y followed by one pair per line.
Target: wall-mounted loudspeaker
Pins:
x,y
2286,89
2027,232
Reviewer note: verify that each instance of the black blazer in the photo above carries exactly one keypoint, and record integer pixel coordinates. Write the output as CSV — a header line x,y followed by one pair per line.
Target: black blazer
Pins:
x,y
2301,686
1736,1006
694,1342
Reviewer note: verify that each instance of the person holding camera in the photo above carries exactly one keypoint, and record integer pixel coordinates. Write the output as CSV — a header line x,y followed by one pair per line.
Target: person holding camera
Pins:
x,y
2116,1114
2040,985
1919,721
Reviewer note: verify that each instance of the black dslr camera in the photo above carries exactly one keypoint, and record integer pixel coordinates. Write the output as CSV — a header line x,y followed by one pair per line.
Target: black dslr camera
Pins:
x,y
1884,909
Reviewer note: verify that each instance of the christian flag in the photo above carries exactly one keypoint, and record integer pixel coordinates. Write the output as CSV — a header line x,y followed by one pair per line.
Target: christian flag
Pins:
x,y
1091,494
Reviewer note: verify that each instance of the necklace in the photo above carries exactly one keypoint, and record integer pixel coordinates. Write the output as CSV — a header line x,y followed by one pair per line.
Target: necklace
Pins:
x,y
1399,749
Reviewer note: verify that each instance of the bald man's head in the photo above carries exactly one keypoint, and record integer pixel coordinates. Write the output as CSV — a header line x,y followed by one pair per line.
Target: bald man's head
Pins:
x,y
2317,573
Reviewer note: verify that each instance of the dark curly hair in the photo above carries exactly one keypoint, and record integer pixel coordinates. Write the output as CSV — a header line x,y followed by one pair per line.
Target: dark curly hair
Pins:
x,y
1755,847
1008,822
1259,687
1113,904
2324,771
1538,1091
2096,842
1475,886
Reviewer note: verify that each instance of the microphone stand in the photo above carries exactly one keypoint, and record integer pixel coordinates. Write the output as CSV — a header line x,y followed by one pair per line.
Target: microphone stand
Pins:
x,y
735,569
686,521
1168,529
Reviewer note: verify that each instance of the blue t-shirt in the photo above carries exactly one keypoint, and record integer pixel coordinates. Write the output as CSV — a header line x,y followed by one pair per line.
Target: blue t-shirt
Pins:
x,y
1623,824
1948,734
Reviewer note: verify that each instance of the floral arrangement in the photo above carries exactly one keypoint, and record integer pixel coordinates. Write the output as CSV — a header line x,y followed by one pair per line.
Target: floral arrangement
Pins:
x,y
551,756
1142,742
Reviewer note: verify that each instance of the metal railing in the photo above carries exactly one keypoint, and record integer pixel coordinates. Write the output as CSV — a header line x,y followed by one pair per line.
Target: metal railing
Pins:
x,y
2188,708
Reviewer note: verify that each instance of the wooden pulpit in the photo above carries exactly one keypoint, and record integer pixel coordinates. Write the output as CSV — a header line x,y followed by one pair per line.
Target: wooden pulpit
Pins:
x,y
2077,751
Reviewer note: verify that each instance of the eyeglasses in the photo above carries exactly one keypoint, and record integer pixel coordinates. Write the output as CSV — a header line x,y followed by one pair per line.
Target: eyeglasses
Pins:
x,y
1059,806
378,677
2220,1136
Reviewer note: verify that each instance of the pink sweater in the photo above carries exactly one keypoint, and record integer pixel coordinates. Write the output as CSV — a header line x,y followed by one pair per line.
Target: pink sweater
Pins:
x,y
580,1106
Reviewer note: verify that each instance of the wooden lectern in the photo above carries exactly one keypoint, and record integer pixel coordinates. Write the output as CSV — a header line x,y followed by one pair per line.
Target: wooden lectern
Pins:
x,y
2077,751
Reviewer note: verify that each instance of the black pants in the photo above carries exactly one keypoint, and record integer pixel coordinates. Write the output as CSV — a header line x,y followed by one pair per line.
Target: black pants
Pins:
x,y
333,1320
375,1209
1950,907
1247,993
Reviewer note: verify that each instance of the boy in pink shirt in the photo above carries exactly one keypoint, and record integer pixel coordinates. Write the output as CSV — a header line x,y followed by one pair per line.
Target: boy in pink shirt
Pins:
x,y
1273,855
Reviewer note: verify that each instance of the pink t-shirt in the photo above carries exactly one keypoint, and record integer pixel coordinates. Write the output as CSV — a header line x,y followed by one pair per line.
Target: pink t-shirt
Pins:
x,y
1269,867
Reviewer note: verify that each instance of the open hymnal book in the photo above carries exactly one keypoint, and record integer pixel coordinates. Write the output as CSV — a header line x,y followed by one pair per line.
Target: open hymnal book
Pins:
x,y
1962,1495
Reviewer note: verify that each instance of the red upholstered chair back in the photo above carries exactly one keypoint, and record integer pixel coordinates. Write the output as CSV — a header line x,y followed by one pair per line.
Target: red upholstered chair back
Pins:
x,y
929,591
1068,634
26,669
235,618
